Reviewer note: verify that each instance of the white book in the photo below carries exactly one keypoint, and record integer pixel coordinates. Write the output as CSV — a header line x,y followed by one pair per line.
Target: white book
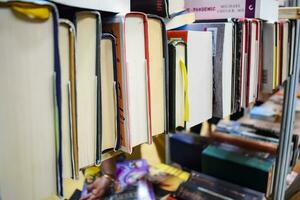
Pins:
x,y
269,52
222,34
200,69
254,56
180,20
86,86
244,68
285,51
175,6
139,122
133,79
199,75
157,75
227,69
27,108
66,122
108,88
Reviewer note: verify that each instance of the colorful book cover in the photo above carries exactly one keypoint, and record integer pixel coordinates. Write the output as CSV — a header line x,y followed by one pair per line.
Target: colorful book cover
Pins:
x,y
220,9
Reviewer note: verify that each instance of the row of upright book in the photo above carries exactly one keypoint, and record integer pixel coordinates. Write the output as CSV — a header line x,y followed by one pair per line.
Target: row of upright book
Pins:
x,y
75,89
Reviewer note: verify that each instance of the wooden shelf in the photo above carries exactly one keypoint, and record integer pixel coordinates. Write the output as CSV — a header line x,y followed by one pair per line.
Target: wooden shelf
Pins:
x,y
289,13
115,6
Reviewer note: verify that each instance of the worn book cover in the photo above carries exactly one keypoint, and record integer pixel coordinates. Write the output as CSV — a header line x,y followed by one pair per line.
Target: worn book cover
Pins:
x,y
244,167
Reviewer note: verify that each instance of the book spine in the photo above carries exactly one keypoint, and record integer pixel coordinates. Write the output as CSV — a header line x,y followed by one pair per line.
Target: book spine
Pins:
x,y
172,94
223,187
156,7
115,29
250,8
239,171
195,192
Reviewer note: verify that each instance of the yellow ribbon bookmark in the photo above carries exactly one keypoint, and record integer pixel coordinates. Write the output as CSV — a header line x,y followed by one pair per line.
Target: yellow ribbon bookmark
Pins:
x,y
32,11
186,113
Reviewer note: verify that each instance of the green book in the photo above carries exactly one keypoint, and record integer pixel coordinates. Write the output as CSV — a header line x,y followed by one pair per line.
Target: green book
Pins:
x,y
240,166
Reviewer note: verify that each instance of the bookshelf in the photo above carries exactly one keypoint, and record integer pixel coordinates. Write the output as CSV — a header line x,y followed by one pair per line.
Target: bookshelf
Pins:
x,y
290,86
114,6
286,129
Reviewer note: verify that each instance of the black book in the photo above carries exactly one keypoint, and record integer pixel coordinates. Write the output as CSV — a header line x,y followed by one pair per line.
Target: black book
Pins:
x,y
237,52
203,187
184,146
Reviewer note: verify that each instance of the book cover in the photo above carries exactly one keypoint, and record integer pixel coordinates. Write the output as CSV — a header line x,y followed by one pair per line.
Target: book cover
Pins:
x,y
269,58
236,78
158,80
199,77
183,147
88,87
218,9
115,27
111,117
142,190
222,63
138,81
243,167
191,191
221,187
69,127
73,102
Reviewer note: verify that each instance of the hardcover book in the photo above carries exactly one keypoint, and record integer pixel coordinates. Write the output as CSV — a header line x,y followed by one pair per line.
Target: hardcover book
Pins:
x,y
30,109
250,169
68,99
270,57
88,87
236,67
184,146
114,26
133,75
222,64
110,112
158,77
201,186
199,76
218,9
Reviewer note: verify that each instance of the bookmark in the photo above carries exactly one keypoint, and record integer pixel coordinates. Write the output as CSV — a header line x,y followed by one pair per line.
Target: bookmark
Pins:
x,y
186,114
